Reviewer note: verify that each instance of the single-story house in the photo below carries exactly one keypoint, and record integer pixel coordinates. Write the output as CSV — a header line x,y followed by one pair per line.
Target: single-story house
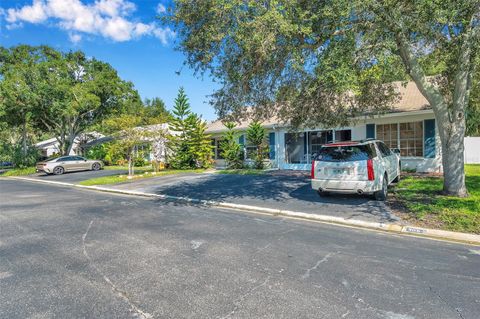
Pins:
x,y
51,146
409,126
83,142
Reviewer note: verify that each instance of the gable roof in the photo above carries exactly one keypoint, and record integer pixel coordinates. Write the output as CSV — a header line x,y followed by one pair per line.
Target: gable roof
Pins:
x,y
411,99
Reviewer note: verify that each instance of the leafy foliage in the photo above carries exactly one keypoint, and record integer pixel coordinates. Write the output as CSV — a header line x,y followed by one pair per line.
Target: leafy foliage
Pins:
x,y
320,63
232,152
62,94
128,136
189,146
155,111
256,136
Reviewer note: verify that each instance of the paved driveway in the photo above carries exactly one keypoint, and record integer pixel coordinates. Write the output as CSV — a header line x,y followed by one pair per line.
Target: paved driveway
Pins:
x,y
75,177
277,189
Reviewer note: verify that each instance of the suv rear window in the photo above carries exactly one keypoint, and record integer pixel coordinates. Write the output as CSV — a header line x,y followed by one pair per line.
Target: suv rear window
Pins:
x,y
346,153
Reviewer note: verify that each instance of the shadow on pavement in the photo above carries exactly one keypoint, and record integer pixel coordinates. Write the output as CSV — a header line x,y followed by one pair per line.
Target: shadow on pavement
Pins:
x,y
279,191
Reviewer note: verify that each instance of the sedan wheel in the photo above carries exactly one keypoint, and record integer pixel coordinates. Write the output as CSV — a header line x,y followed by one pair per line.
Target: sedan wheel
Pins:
x,y
95,167
58,170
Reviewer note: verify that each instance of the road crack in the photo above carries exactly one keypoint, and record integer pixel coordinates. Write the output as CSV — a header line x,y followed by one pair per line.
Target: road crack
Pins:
x,y
459,313
321,261
237,303
122,294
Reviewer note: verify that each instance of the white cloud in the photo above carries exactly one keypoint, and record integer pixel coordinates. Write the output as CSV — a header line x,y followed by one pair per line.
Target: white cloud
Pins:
x,y
13,26
164,34
114,8
33,14
108,18
142,28
75,37
161,8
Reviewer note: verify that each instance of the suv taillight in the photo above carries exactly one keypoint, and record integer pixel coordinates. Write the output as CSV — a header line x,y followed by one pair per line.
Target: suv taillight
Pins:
x,y
312,172
370,171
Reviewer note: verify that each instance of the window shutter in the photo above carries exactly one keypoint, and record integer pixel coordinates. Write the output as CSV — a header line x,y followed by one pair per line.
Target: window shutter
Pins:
x,y
429,138
271,145
305,142
370,130
329,136
241,140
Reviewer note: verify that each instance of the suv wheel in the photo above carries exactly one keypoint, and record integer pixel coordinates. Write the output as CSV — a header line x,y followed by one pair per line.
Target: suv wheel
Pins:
x,y
381,195
397,179
322,194
58,170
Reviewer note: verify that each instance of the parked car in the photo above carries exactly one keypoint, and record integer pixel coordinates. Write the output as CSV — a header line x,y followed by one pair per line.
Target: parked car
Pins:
x,y
6,164
64,164
362,167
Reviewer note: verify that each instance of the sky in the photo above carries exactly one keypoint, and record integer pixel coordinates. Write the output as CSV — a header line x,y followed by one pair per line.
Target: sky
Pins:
x,y
123,33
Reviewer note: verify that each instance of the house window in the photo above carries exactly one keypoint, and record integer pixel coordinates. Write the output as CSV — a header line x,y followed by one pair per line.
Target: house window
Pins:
x,y
295,148
388,133
316,140
408,137
411,139
343,135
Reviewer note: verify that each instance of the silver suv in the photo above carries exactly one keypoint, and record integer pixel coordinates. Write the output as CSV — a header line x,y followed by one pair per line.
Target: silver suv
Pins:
x,y
362,167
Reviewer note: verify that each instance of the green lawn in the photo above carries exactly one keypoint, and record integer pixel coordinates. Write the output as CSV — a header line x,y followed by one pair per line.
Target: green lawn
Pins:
x,y
424,203
246,171
19,171
139,174
125,167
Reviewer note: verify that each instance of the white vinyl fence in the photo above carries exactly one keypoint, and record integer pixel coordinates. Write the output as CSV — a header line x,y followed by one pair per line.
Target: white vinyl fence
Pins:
x,y
472,150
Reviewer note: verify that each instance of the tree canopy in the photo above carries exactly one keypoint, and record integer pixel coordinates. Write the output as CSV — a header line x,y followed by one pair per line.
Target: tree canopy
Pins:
x,y
60,93
155,111
323,62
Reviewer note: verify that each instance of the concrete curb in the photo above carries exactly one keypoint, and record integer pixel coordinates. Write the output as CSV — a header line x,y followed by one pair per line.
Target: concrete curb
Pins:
x,y
409,230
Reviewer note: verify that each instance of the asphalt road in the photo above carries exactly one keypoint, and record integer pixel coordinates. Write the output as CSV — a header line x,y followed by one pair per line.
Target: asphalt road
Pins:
x,y
68,253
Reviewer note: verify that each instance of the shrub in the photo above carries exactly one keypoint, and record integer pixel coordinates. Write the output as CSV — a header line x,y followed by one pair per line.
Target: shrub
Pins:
x,y
231,150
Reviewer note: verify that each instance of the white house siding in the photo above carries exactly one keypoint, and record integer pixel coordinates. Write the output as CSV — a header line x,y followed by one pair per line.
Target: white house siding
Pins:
x,y
420,164
472,150
359,132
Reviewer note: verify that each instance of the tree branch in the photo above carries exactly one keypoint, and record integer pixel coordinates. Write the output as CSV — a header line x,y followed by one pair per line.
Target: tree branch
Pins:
x,y
414,69
462,80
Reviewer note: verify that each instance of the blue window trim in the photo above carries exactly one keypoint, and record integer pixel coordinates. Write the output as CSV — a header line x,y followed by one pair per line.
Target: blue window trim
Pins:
x,y
370,131
241,139
429,150
271,145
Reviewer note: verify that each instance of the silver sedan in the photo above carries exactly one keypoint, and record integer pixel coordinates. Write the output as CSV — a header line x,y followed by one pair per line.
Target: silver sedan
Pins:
x,y
64,164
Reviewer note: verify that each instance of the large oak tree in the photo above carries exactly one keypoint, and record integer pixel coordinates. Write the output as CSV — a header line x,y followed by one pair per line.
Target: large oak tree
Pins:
x,y
324,62
62,94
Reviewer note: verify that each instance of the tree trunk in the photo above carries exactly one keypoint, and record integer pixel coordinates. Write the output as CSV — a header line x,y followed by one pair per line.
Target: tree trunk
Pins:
x,y
450,121
61,146
24,138
69,145
130,164
453,160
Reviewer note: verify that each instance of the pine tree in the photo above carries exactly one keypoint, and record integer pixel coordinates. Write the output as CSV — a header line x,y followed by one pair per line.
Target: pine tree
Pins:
x,y
256,136
189,146
200,143
231,149
180,127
